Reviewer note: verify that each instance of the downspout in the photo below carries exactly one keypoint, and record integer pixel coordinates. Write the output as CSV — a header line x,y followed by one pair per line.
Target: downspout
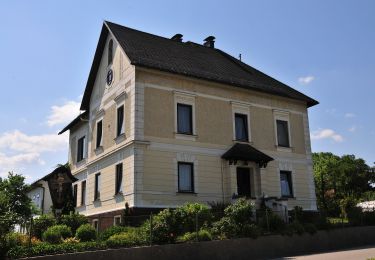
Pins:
x,y
222,180
44,191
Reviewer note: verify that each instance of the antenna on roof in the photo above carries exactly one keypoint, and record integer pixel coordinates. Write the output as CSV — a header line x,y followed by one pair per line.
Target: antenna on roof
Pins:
x,y
240,57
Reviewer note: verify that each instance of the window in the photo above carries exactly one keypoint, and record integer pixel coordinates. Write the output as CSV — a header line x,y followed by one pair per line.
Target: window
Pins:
x,y
286,184
117,220
99,133
241,126
184,119
120,120
75,189
81,149
110,52
282,133
83,193
118,185
185,177
95,224
97,187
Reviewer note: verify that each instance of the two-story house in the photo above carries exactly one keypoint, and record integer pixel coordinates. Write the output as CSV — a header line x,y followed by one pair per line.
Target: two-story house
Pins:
x,y
166,122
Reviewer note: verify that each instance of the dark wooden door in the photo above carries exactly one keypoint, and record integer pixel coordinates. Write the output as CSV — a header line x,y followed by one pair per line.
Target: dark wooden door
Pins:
x,y
243,182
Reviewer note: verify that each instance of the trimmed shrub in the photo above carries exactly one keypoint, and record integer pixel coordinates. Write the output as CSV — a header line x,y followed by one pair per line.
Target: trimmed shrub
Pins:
x,y
203,235
74,221
56,234
41,224
103,236
133,237
86,233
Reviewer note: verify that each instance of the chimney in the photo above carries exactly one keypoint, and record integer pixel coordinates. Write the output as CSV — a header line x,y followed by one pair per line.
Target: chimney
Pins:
x,y
209,42
177,37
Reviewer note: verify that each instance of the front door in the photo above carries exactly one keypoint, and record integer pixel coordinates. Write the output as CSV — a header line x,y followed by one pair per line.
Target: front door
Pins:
x,y
243,182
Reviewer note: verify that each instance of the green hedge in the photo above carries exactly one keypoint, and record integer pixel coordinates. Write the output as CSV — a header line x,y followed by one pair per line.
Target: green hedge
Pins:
x,y
50,249
86,233
56,234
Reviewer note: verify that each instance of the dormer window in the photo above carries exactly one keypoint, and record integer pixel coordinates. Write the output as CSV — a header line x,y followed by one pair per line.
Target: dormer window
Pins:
x,y
110,52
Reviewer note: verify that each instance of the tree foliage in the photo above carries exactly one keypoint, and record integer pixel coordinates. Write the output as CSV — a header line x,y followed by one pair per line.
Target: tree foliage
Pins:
x,y
15,205
337,178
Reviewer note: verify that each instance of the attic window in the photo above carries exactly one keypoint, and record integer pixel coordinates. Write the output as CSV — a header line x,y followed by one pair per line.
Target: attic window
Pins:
x,y
110,52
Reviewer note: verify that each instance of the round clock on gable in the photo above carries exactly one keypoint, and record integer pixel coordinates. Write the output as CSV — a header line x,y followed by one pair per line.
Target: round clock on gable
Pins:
x,y
109,77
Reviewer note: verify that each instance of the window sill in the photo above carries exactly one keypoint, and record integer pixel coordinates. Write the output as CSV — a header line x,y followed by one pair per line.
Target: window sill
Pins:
x,y
98,150
186,193
284,148
120,138
119,194
96,200
242,142
187,137
288,198
81,162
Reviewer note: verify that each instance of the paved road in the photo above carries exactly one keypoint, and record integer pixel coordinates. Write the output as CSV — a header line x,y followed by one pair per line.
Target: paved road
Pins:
x,y
363,253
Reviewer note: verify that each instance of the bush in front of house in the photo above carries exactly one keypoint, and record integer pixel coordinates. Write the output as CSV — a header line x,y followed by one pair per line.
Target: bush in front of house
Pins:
x,y
271,222
310,228
56,234
52,249
41,224
107,233
297,227
202,235
132,237
86,233
73,220
237,221
165,227
189,214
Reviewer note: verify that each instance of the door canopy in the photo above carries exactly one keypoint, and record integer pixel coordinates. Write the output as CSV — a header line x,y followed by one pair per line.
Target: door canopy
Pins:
x,y
245,152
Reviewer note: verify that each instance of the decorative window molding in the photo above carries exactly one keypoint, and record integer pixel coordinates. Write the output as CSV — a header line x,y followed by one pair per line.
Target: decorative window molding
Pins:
x,y
240,108
81,148
83,193
283,116
119,178
97,186
117,220
186,158
188,99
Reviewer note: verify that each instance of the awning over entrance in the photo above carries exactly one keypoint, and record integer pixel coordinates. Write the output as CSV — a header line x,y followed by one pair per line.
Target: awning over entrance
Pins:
x,y
245,152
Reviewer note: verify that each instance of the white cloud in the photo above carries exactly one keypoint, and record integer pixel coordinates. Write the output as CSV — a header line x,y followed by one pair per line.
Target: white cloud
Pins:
x,y
19,151
20,142
350,115
306,80
326,134
60,115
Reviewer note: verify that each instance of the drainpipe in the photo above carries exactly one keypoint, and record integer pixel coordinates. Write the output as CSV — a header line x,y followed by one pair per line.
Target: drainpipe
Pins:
x,y
44,191
222,180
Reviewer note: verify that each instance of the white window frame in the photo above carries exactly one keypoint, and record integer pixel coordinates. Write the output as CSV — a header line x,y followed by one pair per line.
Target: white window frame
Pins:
x,y
97,221
96,126
116,217
120,102
185,98
283,116
84,156
244,109
188,158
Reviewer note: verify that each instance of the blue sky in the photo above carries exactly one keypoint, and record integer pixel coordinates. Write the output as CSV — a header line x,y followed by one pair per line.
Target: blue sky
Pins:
x,y
323,48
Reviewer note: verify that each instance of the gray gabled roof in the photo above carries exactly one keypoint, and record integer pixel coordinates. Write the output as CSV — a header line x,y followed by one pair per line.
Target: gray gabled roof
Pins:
x,y
188,59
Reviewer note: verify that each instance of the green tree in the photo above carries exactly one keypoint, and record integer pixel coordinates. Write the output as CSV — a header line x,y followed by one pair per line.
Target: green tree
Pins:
x,y
15,205
338,178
